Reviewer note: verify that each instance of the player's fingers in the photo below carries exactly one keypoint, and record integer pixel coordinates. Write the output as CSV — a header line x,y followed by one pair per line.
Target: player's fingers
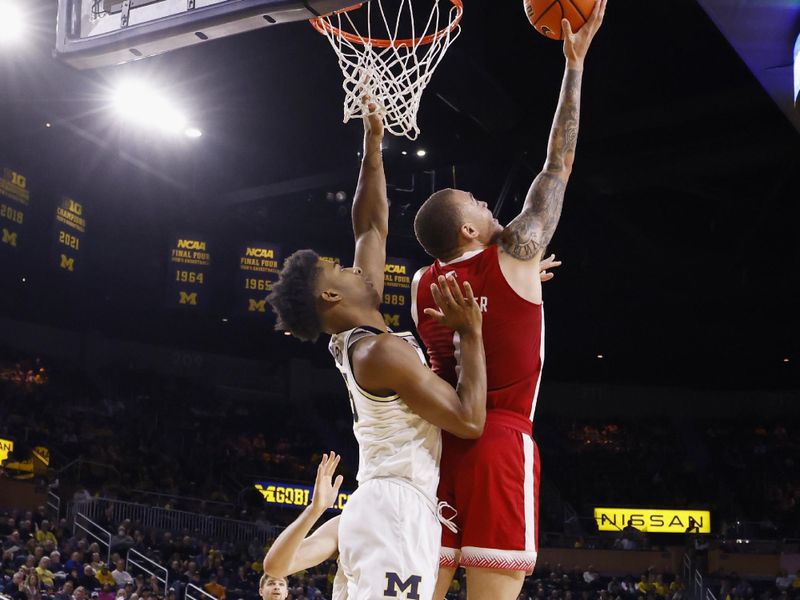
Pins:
x,y
566,29
337,484
468,292
437,295
455,290
546,276
444,288
436,315
335,462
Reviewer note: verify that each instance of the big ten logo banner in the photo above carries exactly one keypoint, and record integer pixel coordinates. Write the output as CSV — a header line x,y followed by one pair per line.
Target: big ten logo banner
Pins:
x,y
187,275
68,234
396,307
259,265
14,200
282,493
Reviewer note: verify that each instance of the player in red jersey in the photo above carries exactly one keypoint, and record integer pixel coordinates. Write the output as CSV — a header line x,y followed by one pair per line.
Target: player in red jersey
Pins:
x,y
493,481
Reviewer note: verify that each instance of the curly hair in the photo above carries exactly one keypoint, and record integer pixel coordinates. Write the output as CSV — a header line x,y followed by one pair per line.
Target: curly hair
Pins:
x,y
436,224
293,297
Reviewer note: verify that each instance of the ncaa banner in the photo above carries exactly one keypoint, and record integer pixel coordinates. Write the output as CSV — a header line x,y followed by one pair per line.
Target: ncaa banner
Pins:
x,y
14,200
259,265
187,275
68,235
396,307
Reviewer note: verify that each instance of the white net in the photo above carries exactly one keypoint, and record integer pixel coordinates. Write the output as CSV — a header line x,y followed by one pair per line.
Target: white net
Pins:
x,y
391,70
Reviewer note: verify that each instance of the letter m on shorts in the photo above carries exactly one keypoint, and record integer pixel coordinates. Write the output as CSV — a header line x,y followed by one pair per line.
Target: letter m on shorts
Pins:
x,y
190,299
396,586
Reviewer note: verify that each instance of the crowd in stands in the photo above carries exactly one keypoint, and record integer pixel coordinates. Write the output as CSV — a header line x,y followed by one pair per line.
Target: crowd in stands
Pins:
x,y
42,562
176,443
742,471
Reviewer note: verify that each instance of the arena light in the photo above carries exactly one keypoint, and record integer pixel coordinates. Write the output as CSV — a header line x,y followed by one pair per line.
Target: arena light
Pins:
x,y
12,22
421,152
144,105
797,72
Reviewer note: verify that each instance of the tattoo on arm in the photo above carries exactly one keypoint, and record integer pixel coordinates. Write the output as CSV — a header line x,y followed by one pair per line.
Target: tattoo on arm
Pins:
x,y
532,230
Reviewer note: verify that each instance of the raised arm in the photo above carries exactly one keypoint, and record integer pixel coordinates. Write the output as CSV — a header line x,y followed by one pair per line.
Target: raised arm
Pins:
x,y
371,206
292,551
526,236
387,365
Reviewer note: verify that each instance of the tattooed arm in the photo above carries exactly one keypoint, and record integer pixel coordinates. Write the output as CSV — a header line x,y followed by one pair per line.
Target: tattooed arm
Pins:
x,y
526,236
524,239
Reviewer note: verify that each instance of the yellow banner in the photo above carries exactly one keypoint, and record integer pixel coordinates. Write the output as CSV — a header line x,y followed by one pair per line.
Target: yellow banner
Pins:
x,y
293,494
6,448
653,520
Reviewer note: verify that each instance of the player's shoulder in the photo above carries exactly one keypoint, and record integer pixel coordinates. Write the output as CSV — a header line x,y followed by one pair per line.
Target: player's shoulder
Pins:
x,y
379,350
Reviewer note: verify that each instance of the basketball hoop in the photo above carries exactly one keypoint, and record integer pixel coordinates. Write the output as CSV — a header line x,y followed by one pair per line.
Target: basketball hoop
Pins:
x,y
391,70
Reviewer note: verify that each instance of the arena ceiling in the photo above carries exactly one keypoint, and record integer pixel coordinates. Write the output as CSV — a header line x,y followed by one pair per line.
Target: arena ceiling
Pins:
x,y
678,233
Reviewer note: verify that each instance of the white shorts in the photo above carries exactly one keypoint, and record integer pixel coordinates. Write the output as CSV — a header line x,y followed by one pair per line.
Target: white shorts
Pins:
x,y
389,538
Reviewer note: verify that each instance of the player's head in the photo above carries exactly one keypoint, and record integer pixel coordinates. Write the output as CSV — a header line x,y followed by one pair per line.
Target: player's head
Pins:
x,y
314,295
451,222
273,588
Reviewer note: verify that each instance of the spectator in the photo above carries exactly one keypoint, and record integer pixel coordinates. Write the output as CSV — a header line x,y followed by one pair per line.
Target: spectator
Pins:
x,y
104,576
44,534
214,588
97,563
122,542
120,575
66,592
643,587
16,591
44,573
32,586
88,581
107,593
55,562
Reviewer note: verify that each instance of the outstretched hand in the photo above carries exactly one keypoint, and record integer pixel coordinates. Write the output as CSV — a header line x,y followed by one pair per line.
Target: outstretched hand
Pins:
x,y
548,263
326,489
576,45
373,119
457,311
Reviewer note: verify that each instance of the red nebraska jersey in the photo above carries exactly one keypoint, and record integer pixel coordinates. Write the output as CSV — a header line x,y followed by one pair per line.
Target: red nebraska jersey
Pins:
x,y
513,332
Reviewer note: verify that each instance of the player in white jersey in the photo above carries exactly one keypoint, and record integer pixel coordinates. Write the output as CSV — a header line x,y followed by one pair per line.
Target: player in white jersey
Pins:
x,y
389,531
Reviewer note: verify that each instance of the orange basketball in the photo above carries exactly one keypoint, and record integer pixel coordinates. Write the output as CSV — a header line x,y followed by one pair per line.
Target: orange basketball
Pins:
x,y
546,15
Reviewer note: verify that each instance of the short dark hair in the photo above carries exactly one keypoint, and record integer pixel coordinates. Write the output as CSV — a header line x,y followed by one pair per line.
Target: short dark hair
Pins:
x,y
267,576
437,223
293,297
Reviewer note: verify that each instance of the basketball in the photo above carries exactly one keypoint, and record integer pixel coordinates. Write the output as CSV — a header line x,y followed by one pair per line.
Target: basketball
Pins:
x,y
546,15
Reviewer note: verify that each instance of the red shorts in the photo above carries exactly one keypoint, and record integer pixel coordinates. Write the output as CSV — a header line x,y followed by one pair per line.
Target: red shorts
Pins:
x,y
493,483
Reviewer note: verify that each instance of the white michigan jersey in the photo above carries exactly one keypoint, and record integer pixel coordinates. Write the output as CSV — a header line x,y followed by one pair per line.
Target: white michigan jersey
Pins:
x,y
389,533
393,441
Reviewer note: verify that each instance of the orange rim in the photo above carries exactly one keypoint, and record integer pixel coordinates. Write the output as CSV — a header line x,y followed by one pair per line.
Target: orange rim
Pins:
x,y
322,25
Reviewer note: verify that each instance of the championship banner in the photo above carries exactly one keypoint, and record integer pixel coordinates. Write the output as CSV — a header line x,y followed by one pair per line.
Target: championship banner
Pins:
x,y
330,257
295,495
259,265
396,307
14,200
69,232
6,448
187,276
653,520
